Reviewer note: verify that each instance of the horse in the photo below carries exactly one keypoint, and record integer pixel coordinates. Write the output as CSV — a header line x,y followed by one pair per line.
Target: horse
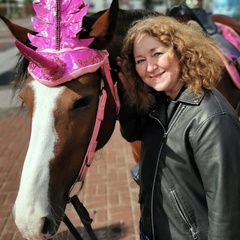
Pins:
x,y
63,120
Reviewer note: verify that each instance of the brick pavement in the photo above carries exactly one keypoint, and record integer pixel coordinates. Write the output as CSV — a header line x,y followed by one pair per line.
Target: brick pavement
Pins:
x,y
109,193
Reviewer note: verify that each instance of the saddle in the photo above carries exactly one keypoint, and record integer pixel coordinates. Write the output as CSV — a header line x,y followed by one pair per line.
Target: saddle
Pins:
x,y
227,39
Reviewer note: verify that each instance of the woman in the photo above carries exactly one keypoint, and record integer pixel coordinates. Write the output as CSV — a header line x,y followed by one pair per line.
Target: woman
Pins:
x,y
190,154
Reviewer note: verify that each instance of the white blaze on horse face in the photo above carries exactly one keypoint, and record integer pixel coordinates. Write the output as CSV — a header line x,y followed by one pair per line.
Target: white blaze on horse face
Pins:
x,y
32,203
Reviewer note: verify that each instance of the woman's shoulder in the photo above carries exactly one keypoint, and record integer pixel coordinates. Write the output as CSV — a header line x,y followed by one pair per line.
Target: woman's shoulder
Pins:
x,y
216,102
211,104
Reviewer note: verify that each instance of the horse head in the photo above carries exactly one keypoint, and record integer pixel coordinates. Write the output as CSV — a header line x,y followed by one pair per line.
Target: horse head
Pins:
x,y
68,88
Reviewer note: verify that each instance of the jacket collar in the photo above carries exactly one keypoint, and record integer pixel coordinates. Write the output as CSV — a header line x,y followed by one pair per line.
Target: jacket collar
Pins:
x,y
185,96
189,97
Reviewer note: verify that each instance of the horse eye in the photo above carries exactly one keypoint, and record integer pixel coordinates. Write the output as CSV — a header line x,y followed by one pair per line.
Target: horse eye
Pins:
x,y
82,102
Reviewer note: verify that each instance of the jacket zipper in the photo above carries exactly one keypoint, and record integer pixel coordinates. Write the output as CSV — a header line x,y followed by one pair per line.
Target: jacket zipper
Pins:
x,y
173,119
184,215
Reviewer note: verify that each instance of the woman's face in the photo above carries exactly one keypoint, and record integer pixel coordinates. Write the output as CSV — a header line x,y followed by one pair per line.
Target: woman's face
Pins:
x,y
155,67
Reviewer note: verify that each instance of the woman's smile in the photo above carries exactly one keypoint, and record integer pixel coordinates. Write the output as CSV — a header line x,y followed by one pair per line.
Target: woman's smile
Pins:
x,y
156,76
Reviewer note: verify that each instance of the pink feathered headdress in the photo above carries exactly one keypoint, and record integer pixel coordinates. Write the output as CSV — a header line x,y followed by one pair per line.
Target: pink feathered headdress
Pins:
x,y
60,55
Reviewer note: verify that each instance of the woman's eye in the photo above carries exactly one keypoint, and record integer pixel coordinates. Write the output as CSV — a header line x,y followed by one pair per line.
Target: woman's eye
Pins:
x,y
139,61
157,54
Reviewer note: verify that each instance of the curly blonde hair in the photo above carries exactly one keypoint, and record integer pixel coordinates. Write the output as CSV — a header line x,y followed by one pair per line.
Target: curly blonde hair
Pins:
x,y
200,66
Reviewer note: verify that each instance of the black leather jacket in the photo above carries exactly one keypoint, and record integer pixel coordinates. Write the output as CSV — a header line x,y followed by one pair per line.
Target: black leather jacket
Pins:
x,y
189,168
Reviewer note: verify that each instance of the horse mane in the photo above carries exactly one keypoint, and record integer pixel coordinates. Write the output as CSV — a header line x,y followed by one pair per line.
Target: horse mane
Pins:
x,y
126,17
20,71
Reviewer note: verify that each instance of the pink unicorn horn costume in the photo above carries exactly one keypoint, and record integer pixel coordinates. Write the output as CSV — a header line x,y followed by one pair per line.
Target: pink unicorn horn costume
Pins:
x,y
60,56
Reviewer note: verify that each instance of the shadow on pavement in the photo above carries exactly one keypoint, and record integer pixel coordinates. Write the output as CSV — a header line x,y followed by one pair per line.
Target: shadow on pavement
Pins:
x,y
113,232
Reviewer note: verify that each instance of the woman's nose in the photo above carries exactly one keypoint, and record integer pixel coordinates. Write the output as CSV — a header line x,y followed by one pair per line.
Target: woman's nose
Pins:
x,y
151,66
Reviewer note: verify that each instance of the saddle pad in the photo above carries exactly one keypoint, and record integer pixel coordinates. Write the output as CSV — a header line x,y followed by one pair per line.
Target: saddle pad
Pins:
x,y
233,67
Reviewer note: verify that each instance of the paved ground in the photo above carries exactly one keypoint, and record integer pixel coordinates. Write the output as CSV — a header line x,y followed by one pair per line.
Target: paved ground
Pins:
x,y
109,192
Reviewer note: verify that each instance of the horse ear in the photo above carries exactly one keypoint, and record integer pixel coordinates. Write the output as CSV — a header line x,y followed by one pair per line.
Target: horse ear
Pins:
x,y
20,33
103,28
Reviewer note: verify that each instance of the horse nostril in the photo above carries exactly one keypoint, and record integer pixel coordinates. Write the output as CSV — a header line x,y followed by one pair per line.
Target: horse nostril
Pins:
x,y
48,227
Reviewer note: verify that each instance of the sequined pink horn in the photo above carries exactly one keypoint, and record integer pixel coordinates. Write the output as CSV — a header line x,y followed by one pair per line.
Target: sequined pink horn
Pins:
x,y
48,66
